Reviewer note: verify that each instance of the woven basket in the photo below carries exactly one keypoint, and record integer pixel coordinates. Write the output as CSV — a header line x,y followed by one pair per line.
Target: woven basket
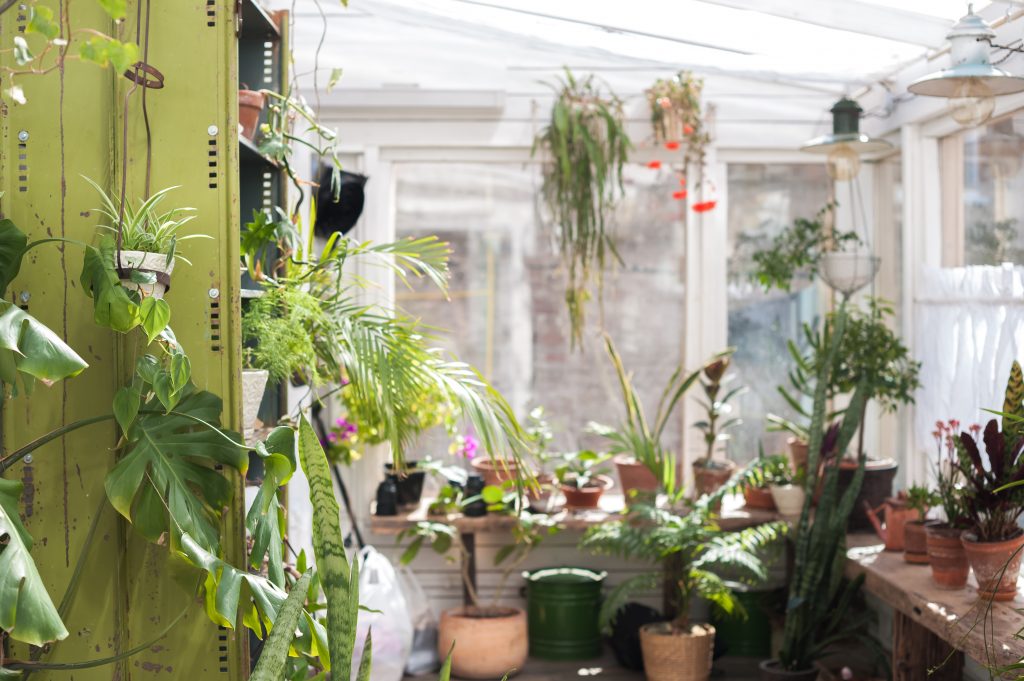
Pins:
x,y
676,655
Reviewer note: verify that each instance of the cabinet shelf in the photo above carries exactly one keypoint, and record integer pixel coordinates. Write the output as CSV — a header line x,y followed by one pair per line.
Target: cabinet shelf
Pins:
x,y
250,153
257,23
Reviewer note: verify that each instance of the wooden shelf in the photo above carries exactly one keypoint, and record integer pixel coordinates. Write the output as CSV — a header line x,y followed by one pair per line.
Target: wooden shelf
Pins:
x,y
250,153
257,22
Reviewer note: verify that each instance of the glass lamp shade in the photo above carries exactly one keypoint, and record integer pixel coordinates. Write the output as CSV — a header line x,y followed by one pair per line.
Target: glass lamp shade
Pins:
x,y
843,163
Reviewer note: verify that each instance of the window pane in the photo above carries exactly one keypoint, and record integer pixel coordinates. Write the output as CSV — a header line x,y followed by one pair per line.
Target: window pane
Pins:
x,y
763,200
994,192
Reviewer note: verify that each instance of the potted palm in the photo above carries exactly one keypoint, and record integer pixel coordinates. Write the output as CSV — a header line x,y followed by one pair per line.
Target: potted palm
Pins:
x,y
581,477
689,551
711,473
146,239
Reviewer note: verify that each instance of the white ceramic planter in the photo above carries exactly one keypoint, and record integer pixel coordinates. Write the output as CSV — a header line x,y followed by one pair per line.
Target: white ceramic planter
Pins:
x,y
155,263
254,382
789,499
848,272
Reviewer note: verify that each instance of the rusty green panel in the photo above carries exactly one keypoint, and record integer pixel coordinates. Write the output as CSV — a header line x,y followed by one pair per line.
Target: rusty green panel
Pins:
x,y
131,589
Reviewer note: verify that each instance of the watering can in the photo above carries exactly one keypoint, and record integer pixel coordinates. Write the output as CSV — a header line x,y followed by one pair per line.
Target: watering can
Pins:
x,y
895,514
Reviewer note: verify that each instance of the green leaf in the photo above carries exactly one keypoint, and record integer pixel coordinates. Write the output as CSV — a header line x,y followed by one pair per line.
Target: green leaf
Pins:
x,y
446,668
181,371
333,80
264,520
164,391
156,315
104,51
274,656
164,480
126,407
112,306
339,581
29,348
366,661
22,54
27,613
492,494
40,20
12,249
117,9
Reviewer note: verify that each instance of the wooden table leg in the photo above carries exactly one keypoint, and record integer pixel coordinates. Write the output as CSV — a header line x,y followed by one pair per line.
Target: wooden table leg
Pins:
x,y
915,650
469,543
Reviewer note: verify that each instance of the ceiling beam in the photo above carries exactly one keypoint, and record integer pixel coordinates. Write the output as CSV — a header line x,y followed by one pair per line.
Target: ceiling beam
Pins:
x,y
854,16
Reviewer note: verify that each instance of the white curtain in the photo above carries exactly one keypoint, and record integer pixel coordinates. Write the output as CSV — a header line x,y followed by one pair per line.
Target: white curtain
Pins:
x,y
969,327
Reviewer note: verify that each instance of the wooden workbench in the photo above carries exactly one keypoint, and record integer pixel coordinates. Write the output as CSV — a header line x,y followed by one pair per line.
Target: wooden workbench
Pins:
x,y
929,622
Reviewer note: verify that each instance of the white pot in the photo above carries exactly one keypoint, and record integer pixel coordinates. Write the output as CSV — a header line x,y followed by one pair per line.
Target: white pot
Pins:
x,y
155,263
254,383
848,272
789,499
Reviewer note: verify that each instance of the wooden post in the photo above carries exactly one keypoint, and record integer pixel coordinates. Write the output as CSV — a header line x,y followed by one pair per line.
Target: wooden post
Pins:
x,y
916,650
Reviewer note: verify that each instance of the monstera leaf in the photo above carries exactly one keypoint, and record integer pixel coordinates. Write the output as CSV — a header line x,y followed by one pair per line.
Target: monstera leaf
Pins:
x,y
26,612
29,348
13,243
113,307
265,517
165,480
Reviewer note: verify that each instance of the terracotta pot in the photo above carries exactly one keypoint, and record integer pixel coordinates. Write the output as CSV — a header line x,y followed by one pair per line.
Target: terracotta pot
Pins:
x,y
707,479
895,516
634,475
491,641
674,655
771,670
799,451
150,263
250,105
589,496
947,556
996,565
254,383
495,472
789,499
759,498
915,542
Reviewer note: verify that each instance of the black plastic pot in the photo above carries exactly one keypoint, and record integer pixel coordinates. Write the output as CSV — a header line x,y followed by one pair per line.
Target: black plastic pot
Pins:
x,y
877,487
410,486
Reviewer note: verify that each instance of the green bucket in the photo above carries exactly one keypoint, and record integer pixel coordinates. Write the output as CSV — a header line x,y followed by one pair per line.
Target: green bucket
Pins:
x,y
750,636
562,606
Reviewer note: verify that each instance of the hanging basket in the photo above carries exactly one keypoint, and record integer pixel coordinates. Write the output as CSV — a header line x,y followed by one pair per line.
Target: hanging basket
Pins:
x,y
155,264
848,271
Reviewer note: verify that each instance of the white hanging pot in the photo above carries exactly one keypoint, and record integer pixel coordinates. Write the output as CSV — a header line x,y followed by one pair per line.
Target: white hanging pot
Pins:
x,y
254,383
152,263
789,499
848,271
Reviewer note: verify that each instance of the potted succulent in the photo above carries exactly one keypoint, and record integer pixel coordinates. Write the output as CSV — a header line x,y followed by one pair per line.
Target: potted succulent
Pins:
x,y
915,541
711,473
994,497
690,552
643,464
786,487
946,553
581,477
147,240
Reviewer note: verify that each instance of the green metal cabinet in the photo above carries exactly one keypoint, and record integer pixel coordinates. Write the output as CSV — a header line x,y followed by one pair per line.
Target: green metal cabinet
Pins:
x,y
70,127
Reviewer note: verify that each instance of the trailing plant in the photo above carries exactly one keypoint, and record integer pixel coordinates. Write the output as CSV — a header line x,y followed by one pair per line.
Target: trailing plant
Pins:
x,y
798,249
677,114
688,547
636,436
586,147
279,332
713,378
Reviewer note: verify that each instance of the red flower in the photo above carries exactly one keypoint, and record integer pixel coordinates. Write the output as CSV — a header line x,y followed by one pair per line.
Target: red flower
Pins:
x,y
654,165
672,145
682,181
687,129
679,195
704,206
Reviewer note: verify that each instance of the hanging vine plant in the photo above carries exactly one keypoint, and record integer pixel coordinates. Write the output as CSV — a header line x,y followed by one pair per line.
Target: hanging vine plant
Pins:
x,y
586,145
677,115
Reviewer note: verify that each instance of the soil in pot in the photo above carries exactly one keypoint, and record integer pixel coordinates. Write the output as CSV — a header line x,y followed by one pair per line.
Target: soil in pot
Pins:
x,y
771,670
915,542
250,106
495,472
672,654
491,641
877,487
634,475
710,475
562,606
996,565
947,556
410,485
589,496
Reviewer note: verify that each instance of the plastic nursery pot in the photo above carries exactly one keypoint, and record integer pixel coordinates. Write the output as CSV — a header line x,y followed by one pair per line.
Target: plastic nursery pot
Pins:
x,y
771,670
758,498
250,105
789,499
491,641
562,608
671,654
915,542
495,472
996,565
410,485
709,476
947,556
749,635
589,496
634,475
254,383
154,264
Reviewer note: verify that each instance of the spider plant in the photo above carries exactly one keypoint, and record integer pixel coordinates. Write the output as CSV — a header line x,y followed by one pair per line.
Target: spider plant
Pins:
x,y
586,146
144,227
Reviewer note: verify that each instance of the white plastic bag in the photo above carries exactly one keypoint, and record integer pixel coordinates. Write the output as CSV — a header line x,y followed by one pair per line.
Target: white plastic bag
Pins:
x,y
423,659
392,627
